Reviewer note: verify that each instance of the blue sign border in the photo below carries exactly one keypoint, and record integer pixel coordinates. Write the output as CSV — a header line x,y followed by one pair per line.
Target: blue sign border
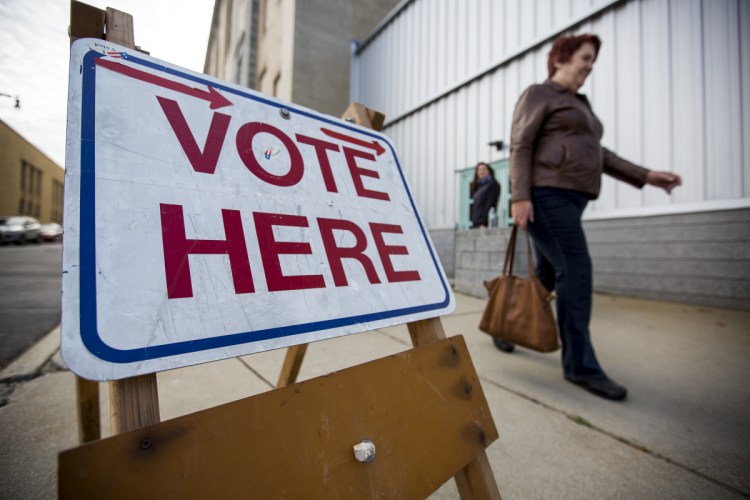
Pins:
x,y
88,306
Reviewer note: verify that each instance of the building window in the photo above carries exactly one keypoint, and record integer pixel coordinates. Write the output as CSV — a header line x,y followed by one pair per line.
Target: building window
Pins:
x,y
57,201
31,189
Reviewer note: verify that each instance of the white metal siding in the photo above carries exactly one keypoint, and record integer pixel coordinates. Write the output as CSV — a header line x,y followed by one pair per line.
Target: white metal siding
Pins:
x,y
671,85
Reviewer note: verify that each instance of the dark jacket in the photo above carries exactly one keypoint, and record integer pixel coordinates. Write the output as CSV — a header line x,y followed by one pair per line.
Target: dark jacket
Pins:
x,y
555,143
484,198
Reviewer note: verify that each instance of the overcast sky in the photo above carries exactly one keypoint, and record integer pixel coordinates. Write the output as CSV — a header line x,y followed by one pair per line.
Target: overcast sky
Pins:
x,y
35,50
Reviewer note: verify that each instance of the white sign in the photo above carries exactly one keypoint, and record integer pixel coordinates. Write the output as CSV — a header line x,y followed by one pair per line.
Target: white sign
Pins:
x,y
205,221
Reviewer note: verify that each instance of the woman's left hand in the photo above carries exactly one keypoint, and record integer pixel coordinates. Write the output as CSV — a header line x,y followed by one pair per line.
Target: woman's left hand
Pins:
x,y
665,180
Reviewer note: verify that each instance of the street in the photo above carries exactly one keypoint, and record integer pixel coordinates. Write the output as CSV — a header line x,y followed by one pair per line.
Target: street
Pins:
x,y
30,280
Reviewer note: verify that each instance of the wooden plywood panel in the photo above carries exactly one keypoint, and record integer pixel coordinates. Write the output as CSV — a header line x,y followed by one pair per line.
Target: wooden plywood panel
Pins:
x,y
86,21
424,410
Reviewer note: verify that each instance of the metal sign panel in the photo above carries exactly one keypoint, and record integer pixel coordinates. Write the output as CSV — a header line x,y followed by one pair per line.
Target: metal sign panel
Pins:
x,y
205,221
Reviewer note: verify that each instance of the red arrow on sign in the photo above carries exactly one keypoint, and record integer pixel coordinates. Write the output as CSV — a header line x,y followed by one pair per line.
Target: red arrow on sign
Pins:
x,y
212,95
372,145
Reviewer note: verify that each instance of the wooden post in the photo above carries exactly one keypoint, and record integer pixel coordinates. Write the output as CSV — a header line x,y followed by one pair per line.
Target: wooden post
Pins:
x,y
134,402
87,398
292,363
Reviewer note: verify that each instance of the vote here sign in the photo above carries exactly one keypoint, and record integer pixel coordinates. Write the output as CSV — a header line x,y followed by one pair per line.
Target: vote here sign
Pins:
x,y
204,221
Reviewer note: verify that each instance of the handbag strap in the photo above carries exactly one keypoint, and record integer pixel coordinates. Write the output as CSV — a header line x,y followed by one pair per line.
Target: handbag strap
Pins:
x,y
510,253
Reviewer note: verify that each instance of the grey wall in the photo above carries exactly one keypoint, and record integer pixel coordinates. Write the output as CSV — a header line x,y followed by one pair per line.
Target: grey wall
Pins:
x,y
701,258
480,254
444,241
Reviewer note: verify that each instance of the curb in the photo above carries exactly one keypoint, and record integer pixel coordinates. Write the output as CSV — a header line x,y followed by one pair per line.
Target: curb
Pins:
x,y
31,361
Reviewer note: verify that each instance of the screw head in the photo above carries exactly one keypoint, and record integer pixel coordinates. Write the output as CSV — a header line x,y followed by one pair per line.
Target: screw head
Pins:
x,y
365,451
284,113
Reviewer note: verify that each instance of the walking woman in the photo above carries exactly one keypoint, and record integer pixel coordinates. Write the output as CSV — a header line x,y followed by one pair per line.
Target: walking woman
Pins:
x,y
556,163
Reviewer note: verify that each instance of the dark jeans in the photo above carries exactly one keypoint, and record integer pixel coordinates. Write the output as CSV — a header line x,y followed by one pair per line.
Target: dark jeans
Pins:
x,y
563,264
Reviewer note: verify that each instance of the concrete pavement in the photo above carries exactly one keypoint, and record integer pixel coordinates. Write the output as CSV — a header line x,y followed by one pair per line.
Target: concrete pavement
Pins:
x,y
683,432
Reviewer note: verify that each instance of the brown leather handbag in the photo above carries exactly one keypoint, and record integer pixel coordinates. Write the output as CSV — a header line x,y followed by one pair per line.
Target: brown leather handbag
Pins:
x,y
519,310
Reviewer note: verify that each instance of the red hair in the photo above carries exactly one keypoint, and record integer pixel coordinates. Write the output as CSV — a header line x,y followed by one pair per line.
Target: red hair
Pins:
x,y
565,46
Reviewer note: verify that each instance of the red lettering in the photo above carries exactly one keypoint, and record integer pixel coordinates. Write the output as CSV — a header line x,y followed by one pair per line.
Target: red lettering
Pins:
x,y
245,136
321,147
385,252
358,172
203,162
336,253
270,250
177,248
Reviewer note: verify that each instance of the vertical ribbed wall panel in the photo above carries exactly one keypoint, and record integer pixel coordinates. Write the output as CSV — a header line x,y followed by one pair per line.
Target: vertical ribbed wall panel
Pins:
x,y
671,87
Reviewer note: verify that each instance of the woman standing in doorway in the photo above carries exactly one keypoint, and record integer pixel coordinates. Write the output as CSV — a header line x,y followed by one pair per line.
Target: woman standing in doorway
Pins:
x,y
484,191
556,163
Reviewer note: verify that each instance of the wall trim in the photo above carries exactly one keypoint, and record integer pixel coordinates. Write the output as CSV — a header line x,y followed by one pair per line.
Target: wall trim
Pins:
x,y
660,210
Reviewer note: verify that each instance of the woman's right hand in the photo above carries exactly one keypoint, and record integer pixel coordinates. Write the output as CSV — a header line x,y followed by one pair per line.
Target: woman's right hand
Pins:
x,y
522,212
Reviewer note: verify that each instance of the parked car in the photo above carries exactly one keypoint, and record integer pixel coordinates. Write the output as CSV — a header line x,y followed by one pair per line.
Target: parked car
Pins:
x,y
51,232
19,229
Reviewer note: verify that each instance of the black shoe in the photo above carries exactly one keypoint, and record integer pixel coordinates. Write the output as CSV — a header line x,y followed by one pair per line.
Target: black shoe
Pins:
x,y
503,345
603,387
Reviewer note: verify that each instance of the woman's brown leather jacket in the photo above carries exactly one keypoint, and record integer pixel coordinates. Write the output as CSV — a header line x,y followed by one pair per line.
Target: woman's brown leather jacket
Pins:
x,y
555,143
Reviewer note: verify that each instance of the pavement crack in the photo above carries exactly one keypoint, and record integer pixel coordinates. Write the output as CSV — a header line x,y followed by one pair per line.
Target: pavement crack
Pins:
x,y
257,374
8,385
627,442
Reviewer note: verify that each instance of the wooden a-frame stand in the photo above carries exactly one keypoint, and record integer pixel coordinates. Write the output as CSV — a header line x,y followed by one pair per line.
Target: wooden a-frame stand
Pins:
x,y
424,409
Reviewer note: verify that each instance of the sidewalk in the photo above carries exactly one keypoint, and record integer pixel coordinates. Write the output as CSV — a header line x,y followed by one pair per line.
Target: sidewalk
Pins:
x,y
683,432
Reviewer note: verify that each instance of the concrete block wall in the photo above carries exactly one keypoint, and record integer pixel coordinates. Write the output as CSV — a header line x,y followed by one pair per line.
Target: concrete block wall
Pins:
x,y
480,254
698,258
444,241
